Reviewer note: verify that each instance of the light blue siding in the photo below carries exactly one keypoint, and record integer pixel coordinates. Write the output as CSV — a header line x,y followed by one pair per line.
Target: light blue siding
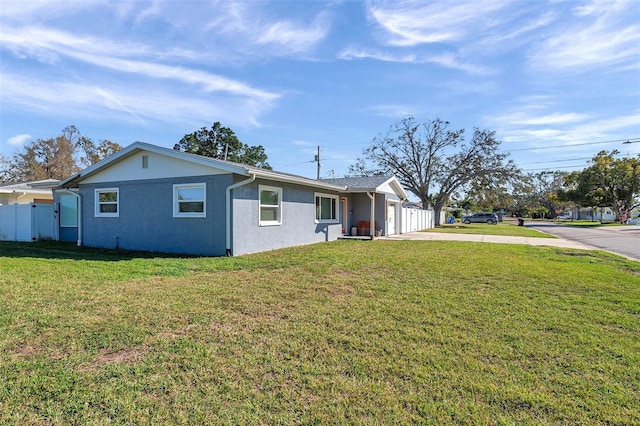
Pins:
x,y
298,220
145,219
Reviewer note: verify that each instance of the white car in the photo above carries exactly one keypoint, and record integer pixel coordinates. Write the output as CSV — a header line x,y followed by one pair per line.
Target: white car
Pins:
x,y
564,216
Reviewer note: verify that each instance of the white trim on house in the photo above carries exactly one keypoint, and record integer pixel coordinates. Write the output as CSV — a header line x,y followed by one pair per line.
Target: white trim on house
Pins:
x,y
334,206
190,213
276,208
98,204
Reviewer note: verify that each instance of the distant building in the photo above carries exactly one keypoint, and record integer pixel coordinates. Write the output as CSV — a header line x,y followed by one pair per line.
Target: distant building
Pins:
x,y
27,192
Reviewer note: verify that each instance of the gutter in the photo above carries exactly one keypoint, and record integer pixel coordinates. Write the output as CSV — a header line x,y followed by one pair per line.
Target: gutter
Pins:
x,y
228,209
79,212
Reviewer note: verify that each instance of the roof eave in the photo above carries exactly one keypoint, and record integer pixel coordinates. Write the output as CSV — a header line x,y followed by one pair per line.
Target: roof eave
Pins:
x,y
266,174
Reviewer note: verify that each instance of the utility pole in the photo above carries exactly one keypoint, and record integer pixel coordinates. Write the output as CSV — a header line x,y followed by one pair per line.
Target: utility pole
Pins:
x,y
317,160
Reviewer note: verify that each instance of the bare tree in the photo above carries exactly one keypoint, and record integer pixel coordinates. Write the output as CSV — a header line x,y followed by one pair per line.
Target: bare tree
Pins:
x,y
4,169
433,162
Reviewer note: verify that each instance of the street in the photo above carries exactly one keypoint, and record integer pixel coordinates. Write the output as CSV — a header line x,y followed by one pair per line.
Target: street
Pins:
x,y
623,240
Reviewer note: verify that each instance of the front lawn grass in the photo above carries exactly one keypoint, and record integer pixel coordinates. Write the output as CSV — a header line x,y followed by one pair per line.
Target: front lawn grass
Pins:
x,y
503,228
346,332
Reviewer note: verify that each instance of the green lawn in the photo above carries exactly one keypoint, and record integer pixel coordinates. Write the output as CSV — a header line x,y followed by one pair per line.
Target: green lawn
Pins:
x,y
502,228
346,332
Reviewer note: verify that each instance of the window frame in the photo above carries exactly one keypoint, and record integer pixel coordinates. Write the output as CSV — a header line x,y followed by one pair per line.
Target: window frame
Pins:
x,y
335,207
176,202
278,207
65,209
98,203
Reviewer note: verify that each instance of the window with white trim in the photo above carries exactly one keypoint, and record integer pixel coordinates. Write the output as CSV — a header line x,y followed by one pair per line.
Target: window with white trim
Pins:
x,y
326,208
270,205
189,200
106,202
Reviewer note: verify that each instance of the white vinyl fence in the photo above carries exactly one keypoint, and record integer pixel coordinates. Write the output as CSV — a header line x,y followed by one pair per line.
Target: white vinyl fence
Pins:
x,y
416,220
27,222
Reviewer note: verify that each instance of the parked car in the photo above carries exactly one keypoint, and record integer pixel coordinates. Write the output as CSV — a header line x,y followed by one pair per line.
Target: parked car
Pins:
x,y
481,217
564,216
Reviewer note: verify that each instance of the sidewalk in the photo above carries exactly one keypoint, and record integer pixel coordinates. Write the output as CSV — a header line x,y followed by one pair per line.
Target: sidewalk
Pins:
x,y
499,239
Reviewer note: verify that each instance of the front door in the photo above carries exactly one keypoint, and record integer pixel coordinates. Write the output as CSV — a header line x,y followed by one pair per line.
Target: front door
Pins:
x,y
391,218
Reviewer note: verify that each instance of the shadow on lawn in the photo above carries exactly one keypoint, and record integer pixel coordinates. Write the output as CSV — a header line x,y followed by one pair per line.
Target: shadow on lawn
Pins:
x,y
63,250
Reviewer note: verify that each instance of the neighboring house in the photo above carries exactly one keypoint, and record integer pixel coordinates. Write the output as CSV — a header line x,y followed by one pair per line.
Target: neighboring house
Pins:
x,y
606,214
38,192
150,198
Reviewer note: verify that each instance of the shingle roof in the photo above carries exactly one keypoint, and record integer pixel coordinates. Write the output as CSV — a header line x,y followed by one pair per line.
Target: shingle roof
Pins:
x,y
228,166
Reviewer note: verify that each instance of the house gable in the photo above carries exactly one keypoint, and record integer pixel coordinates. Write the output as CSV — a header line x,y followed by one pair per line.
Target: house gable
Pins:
x,y
143,165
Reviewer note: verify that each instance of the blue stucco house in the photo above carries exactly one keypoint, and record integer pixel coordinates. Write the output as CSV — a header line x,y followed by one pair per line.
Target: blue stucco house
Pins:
x,y
151,198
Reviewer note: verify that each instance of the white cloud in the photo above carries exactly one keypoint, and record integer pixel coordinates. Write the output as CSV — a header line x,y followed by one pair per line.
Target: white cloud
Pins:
x,y
392,111
37,9
415,22
137,103
447,59
355,53
603,34
251,29
44,43
293,37
523,119
564,128
453,61
19,140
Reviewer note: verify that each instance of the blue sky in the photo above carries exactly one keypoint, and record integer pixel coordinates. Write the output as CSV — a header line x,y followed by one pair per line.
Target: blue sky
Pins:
x,y
290,76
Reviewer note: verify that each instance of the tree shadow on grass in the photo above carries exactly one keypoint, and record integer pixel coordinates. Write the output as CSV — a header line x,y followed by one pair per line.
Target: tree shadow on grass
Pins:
x,y
64,250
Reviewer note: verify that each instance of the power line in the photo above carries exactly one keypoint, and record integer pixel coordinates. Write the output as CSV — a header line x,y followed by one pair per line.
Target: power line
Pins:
x,y
554,168
556,161
567,159
623,141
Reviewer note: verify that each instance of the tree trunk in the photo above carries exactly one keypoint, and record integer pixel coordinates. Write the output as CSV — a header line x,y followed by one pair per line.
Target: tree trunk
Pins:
x,y
437,209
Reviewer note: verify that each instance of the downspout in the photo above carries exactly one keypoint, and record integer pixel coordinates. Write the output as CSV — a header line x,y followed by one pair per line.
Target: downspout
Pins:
x,y
19,196
79,213
372,219
228,210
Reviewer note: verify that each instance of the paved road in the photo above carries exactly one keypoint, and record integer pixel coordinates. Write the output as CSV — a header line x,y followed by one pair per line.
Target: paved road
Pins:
x,y
500,239
623,240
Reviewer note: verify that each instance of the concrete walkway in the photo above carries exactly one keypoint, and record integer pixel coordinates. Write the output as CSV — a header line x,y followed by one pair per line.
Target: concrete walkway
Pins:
x,y
500,239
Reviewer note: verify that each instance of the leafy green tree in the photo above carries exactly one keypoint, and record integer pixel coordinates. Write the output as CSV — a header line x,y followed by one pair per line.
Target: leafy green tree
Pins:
x,y
609,181
434,163
222,143
545,187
